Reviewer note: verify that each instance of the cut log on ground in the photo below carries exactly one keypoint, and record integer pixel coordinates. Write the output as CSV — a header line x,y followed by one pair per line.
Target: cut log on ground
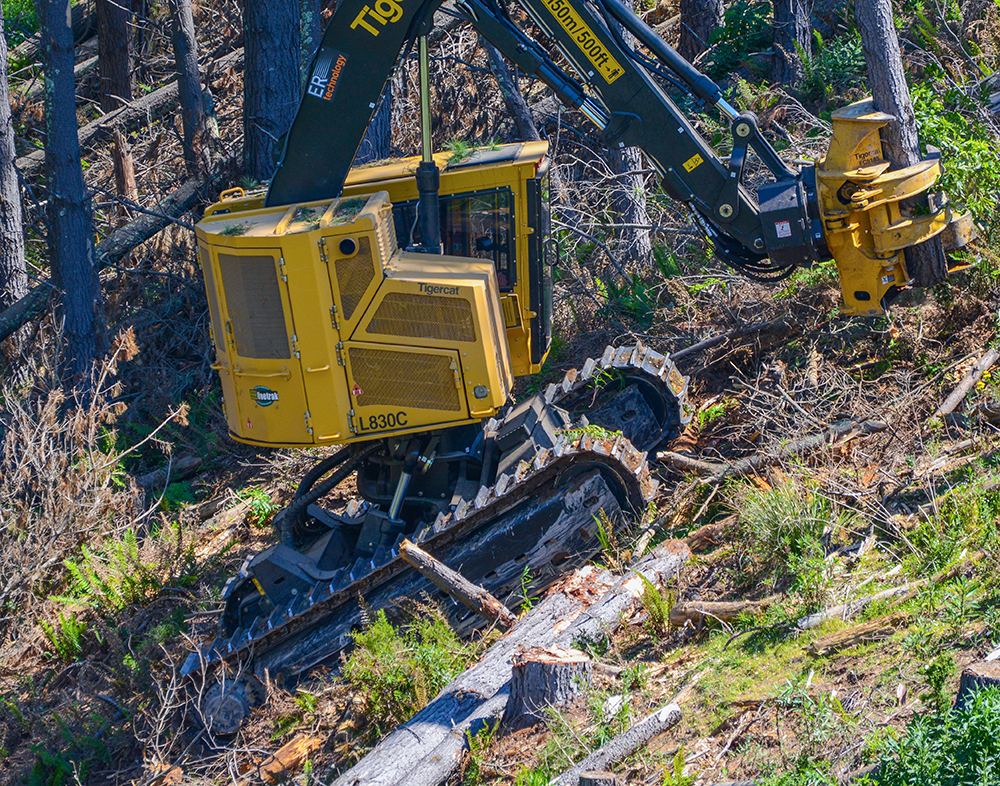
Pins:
x,y
543,677
716,472
623,745
975,677
780,326
873,630
286,761
588,605
852,608
151,106
178,470
115,247
457,586
696,611
709,536
958,395
600,778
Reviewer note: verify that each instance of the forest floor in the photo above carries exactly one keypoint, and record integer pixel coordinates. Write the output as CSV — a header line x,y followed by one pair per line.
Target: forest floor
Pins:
x,y
113,558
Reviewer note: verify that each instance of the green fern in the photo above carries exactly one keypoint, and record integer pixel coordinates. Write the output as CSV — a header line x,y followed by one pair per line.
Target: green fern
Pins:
x,y
67,639
113,580
656,603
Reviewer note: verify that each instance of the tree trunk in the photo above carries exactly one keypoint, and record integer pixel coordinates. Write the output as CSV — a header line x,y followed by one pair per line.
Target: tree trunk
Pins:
x,y
114,65
13,279
512,98
698,19
377,142
71,229
629,198
189,87
926,263
600,778
310,33
270,81
542,678
976,676
792,40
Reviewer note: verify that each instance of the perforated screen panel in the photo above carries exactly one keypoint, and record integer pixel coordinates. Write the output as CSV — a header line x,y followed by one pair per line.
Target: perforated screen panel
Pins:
x,y
404,379
250,284
423,316
354,274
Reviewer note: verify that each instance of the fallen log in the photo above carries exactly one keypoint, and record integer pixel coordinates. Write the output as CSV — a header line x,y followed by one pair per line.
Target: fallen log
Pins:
x,y
135,114
975,677
178,470
543,677
708,536
588,605
859,634
623,745
83,20
717,472
781,325
114,247
457,586
968,381
286,761
600,778
845,611
696,611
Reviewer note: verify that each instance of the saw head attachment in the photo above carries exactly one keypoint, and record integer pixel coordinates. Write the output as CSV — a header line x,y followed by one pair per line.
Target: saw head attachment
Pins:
x,y
866,214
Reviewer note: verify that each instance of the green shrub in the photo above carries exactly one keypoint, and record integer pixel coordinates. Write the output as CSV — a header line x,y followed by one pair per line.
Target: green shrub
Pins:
x,y
115,577
836,66
67,638
399,671
968,150
20,20
947,748
746,28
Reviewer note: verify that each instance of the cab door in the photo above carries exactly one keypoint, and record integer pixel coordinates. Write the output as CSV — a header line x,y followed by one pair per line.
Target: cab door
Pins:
x,y
259,334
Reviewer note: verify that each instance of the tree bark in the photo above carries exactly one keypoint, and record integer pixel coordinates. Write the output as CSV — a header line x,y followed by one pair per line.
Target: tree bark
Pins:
x,y
377,142
792,40
457,586
698,19
600,778
114,65
83,19
543,677
623,745
13,278
629,198
189,87
71,230
926,263
270,81
512,98
880,628
310,33
975,677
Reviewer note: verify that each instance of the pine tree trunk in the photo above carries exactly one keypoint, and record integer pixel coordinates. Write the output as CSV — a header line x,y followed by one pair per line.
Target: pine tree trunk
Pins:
x,y
13,280
792,40
630,195
114,64
189,86
270,81
698,19
926,263
71,238
377,142
310,32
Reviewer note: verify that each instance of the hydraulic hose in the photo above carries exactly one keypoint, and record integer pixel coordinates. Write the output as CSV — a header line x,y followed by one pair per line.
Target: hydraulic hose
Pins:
x,y
287,519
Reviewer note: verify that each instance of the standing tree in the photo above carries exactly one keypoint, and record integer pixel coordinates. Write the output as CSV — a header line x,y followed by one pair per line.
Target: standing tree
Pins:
x,y
271,85
698,19
114,63
926,263
13,278
71,229
792,40
193,117
377,141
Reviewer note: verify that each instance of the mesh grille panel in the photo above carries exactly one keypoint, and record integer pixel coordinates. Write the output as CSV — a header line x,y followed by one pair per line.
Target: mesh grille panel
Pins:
x,y
251,289
404,379
424,316
354,274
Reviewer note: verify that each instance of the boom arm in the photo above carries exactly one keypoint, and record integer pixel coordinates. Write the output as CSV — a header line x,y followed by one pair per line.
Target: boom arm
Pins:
x,y
622,92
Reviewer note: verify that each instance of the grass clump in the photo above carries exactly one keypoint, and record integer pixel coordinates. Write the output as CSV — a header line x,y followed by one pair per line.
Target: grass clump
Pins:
x,y
399,670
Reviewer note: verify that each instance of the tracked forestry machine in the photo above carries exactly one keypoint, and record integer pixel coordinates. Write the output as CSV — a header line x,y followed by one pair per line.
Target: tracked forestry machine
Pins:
x,y
387,311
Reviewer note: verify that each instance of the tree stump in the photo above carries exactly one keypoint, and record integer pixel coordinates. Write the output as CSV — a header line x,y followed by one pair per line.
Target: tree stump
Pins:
x,y
976,676
599,778
544,677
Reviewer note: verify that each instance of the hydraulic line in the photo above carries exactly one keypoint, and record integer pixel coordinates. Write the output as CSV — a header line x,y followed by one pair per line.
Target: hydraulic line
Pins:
x,y
321,469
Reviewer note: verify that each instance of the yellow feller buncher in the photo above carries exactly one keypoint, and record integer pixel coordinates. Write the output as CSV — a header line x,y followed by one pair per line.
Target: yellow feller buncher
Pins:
x,y
388,310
